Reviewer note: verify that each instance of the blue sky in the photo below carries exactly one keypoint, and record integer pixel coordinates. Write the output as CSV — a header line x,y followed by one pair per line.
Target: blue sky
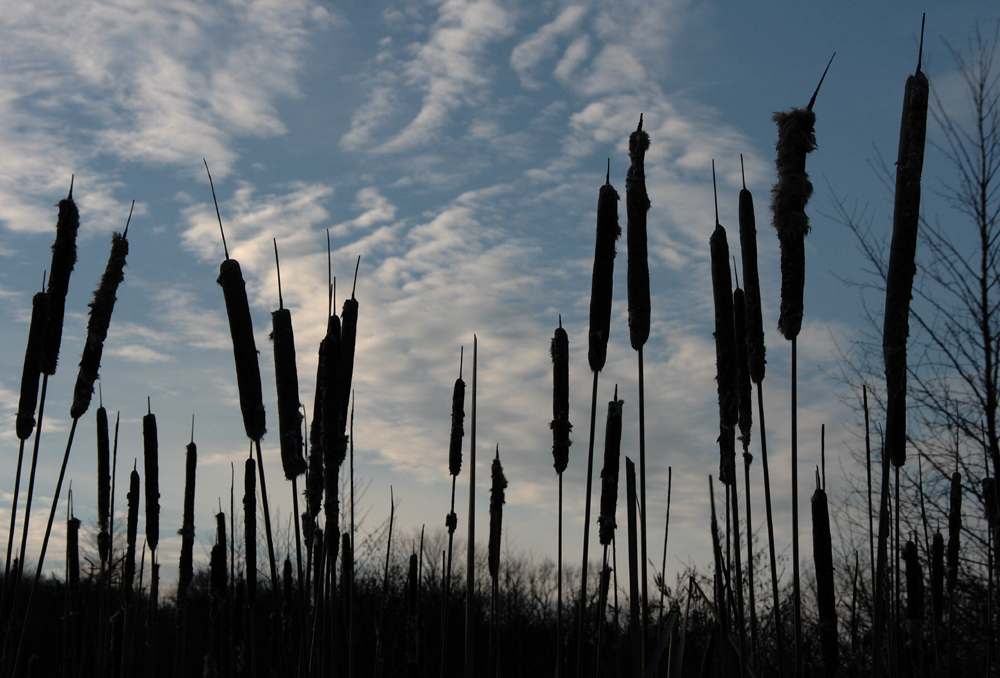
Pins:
x,y
457,148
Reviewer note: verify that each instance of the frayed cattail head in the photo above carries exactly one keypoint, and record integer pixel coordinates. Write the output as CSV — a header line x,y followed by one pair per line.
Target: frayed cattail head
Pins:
x,y
751,283
725,352
103,483
937,576
186,571
286,379
150,449
796,138
132,527
826,601
744,389
902,260
636,206
609,474
560,399
954,531
457,428
63,260
244,348
497,499
250,528
602,284
97,327
32,369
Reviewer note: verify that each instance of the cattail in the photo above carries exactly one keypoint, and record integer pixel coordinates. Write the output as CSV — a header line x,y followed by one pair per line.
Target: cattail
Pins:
x,y
287,380
636,206
186,568
73,555
937,577
32,365
609,474
725,351
348,340
602,283
744,391
796,139
825,595
97,327
244,348
150,450
751,283
560,399
103,483
63,260
902,255
954,532
333,440
250,528
457,429
132,523
497,500
217,564
914,603
314,475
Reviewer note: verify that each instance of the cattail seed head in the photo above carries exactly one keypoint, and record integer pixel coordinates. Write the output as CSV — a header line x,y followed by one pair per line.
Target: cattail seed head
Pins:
x,y
314,475
826,602
32,369
914,600
497,500
609,474
457,429
63,260
217,571
103,483
348,341
250,528
636,206
560,400
902,261
796,138
602,284
244,348
97,326
150,450
334,447
186,568
132,523
954,531
286,379
751,283
937,576
725,352
744,389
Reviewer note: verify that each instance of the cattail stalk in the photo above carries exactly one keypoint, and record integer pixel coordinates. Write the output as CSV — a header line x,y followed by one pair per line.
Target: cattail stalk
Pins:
x,y
561,427
470,562
899,284
186,567
825,594
608,232
454,468
914,606
132,525
796,139
103,485
636,206
497,500
633,569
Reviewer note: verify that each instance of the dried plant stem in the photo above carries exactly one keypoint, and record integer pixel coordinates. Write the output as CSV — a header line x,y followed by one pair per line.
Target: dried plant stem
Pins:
x,y
31,484
775,606
642,508
754,631
796,591
633,570
559,581
666,533
470,565
586,528
267,520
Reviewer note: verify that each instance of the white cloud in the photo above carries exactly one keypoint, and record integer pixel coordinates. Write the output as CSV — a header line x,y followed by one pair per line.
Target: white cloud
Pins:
x,y
541,44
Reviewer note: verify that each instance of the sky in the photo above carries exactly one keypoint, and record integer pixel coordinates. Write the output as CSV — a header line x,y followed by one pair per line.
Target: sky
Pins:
x,y
456,147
